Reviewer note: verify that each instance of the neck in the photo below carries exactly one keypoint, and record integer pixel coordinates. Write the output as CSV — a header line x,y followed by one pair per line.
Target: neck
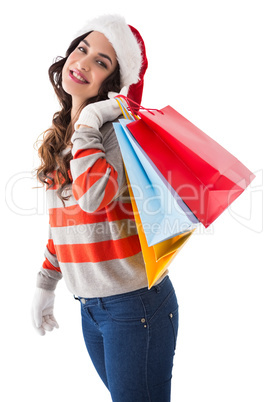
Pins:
x,y
75,111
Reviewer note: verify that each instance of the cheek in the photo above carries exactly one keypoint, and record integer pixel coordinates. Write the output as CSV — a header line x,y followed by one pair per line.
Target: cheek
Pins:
x,y
100,76
65,67
71,59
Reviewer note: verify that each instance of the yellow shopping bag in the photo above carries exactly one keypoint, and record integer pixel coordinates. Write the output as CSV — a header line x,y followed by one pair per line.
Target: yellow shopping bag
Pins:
x,y
158,257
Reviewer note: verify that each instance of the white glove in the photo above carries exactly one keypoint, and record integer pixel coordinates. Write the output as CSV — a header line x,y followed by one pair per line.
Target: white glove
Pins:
x,y
96,114
42,311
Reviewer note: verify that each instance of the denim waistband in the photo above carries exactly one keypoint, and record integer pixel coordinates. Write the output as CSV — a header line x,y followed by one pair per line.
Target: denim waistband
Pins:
x,y
95,300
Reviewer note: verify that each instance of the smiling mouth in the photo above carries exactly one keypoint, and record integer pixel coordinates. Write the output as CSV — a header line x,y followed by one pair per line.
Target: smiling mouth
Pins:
x,y
78,77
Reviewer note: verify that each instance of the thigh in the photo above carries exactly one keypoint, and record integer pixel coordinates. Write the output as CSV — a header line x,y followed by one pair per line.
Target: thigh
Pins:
x,y
139,341
94,343
126,343
161,351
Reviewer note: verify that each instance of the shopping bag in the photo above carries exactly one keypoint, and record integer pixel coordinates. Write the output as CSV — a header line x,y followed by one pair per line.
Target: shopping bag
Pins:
x,y
157,258
205,175
161,215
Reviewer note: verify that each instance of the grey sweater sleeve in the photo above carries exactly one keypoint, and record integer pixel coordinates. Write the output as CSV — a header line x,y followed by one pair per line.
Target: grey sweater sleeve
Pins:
x,y
97,167
50,273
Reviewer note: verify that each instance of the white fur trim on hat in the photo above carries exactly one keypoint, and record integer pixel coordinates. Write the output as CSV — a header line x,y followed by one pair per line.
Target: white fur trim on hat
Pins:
x,y
126,47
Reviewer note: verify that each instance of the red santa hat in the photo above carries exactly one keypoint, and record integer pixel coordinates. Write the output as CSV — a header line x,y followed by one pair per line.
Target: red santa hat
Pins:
x,y
129,48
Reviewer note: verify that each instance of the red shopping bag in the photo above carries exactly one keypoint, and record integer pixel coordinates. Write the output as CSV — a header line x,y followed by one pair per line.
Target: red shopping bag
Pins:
x,y
204,174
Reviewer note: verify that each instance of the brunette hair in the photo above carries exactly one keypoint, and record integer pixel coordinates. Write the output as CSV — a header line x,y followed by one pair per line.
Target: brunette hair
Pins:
x,y
58,136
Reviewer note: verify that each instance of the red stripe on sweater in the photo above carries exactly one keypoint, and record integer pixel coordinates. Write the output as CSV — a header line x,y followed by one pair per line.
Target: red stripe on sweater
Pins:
x,y
50,179
87,179
53,178
48,265
110,191
74,215
93,252
51,247
86,152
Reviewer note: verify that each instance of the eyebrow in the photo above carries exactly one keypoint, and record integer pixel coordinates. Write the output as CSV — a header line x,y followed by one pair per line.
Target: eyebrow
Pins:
x,y
100,54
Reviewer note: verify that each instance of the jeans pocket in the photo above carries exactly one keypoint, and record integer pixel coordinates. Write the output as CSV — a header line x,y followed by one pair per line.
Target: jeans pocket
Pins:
x,y
174,320
127,310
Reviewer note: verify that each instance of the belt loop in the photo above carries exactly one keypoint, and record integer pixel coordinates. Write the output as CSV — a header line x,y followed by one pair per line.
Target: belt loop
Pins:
x,y
100,303
80,299
157,288
161,284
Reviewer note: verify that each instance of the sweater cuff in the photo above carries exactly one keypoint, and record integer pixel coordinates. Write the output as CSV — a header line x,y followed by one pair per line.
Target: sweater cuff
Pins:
x,y
48,280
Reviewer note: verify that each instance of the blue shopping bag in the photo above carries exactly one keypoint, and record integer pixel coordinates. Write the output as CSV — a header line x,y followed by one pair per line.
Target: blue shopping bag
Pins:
x,y
163,214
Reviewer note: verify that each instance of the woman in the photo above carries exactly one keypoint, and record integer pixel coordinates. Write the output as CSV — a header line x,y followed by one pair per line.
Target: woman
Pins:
x,y
130,332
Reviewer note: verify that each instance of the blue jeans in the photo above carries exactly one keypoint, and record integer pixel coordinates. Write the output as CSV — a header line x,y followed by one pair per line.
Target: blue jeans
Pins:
x,y
131,340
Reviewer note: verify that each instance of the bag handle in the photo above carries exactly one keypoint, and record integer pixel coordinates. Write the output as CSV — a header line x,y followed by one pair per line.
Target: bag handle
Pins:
x,y
134,109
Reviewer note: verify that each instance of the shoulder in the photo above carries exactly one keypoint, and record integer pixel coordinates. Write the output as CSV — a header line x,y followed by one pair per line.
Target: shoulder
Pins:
x,y
108,132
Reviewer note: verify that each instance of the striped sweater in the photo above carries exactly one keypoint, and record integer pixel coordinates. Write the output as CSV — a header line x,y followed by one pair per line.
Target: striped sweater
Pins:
x,y
93,242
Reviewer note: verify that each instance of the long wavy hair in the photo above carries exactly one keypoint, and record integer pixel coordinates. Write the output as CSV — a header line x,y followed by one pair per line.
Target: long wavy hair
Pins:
x,y
58,137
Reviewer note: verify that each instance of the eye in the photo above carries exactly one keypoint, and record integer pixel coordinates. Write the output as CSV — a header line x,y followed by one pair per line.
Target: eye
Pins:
x,y
81,49
102,64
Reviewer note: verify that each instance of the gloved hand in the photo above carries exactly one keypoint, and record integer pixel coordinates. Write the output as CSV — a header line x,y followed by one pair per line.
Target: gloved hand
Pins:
x,y
96,114
42,311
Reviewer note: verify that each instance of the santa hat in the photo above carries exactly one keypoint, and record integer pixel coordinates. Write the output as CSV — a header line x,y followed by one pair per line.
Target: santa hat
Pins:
x,y
129,48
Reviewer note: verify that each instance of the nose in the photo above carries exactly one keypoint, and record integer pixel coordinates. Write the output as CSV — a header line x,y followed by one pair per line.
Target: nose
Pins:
x,y
83,64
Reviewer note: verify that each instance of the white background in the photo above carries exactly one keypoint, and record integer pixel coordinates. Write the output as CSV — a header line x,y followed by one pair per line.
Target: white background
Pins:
x,y
208,59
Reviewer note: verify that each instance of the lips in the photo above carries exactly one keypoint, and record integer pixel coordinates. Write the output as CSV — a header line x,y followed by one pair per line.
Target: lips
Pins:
x,y
77,77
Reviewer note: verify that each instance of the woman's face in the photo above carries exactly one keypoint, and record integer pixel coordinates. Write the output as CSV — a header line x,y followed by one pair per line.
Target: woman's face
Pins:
x,y
88,66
